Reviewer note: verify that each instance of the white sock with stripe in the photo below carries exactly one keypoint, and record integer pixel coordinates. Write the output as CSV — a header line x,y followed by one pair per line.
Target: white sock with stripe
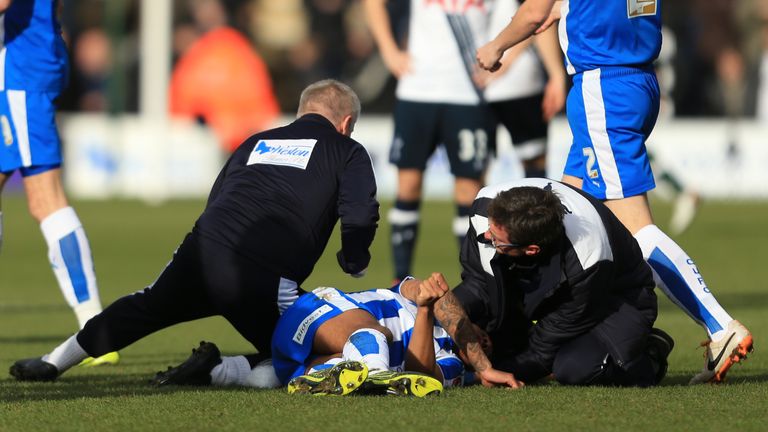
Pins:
x,y
70,257
677,275
368,346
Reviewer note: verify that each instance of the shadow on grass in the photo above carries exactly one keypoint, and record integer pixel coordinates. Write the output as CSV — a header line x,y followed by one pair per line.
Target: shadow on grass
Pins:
x,y
105,386
735,378
14,309
48,339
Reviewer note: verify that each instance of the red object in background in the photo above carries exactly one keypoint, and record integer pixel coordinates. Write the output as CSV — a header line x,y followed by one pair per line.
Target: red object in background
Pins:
x,y
222,79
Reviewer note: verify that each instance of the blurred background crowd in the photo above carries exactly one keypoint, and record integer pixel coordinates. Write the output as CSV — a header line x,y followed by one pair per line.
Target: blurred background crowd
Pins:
x,y
714,61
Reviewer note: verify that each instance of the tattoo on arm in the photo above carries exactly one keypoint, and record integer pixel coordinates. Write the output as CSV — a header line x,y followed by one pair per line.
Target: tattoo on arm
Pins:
x,y
455,321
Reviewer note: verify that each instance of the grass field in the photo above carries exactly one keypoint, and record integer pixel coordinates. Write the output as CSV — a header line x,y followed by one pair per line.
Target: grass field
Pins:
x,y
132,242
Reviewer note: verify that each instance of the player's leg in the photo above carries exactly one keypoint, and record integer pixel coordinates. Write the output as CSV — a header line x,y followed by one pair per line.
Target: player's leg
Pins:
x,y
524,120
413,143
68,249
469,135
311,333
178,295
37,144
3,179
617,169
685,201
587,361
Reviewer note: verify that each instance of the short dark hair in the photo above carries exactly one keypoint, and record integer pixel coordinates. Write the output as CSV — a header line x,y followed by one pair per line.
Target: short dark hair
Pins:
x,y
529,215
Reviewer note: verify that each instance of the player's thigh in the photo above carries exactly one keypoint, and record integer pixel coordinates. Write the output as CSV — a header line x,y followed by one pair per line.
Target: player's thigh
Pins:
x,y
524,120
469,135
245,293
334,333
416,129
293,342
28,126
611,117
178,293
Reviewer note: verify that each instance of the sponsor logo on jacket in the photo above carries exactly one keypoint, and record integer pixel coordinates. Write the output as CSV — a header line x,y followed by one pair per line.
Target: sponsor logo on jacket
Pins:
x,y
293,153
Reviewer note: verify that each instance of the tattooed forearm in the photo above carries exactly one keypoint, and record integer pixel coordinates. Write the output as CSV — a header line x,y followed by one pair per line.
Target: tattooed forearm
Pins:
x,y
449,311
452,317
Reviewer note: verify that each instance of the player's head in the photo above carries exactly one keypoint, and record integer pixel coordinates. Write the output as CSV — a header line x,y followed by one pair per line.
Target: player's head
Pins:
x,y
525,216
333,100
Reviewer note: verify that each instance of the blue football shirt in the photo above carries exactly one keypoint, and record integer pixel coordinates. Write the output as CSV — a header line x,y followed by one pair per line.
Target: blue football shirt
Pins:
x,y
33,56
601,33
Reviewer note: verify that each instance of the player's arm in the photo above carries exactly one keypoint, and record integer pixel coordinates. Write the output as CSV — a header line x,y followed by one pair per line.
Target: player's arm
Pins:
x,y
379,22
358,211
420,354
453,318
548,47
530,17
483,78
4,5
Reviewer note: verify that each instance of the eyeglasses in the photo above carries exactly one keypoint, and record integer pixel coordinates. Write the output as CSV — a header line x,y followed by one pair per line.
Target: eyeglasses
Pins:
x,y
502,246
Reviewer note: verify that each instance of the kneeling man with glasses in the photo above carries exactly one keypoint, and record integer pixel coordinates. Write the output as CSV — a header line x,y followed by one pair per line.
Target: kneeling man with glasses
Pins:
x,y
560,285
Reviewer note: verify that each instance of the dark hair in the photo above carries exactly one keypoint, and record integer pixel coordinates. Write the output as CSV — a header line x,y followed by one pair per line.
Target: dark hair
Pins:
x,y
529,215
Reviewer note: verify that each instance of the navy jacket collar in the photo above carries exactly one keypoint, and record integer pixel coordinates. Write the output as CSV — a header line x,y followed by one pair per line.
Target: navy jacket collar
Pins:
x,y
316,118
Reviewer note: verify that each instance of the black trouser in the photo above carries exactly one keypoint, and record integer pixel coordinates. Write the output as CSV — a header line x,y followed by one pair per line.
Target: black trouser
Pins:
x,y
613,353
203,279
586,361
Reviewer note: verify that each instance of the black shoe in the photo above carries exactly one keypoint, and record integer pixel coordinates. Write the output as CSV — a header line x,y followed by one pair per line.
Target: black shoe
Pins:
x,y
196,370
659,346
34,369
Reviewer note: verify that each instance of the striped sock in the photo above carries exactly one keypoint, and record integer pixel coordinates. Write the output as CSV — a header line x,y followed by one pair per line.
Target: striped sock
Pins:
x,y
678,277
72,263
368,346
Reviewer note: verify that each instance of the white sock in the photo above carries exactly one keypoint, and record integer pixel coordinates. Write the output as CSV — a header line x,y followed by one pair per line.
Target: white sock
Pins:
x,y
231,371
368,346
70,257
263,376
677,275
87,310
66,355
460,226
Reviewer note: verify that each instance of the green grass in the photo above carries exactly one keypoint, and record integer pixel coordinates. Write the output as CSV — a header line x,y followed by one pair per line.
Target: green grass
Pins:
x,y
132,242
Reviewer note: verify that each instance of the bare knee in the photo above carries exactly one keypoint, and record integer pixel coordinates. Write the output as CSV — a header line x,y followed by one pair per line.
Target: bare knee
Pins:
x,y
409,183
466,189
334,333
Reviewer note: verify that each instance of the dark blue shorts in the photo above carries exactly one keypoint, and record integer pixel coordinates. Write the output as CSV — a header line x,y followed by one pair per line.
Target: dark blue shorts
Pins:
x,y
468,133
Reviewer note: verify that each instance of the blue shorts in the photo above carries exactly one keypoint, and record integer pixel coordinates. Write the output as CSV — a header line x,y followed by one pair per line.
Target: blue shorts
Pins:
x,y
30,140
612,112
468,133
295,331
